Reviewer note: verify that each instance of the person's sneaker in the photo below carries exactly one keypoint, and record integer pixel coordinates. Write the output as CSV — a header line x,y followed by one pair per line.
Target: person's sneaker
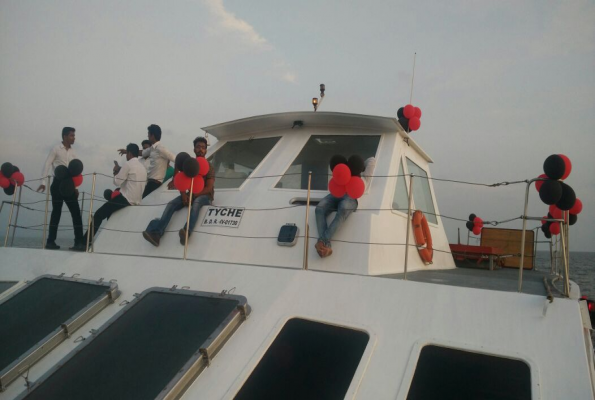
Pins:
x,y
182,234
151,238
52,246
79,247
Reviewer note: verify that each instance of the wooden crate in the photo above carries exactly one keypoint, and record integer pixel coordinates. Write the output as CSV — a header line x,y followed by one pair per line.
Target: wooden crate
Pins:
x,y
509,240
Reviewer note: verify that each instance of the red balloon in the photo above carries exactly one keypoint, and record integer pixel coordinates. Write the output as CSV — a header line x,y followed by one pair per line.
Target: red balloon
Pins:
x,y
198,185
477,230
555,228
414,123
78,180
203,166
4,182
577,208
18,178
115,194
409,111
555,212
568,166
182,182
341,174
478,222
336,190
539,183
356,187
417,112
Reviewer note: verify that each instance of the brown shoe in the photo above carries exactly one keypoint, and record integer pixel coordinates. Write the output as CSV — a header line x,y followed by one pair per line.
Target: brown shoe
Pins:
x,y
182,234
152,238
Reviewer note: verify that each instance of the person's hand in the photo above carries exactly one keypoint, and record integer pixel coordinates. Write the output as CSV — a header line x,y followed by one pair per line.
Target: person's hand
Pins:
x,y
41,188
117,169
185,199
171,185
122,151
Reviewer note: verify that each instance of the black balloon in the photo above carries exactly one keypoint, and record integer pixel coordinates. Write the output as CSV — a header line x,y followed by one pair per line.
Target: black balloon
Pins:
x,y
545,227
107,194
7,169
548,234
61,172
568,198
400,113
356,165
180,158
191,167
67,188
336,160
470,225
554,166
15,169
572,218
9,190
404,123
75,167
550,192
472,217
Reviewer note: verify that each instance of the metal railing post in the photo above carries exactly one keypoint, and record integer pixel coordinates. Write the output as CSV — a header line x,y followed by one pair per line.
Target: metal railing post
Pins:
x,y
89,227
307,226
552,264
14,197
535,249
45,218
521,262
16,218
188,218
83,203
408,223
566,269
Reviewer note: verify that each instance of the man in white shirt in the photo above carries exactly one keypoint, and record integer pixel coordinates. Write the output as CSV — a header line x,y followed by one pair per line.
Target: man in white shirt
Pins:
x,y
62,154
157,159
344,206
131,178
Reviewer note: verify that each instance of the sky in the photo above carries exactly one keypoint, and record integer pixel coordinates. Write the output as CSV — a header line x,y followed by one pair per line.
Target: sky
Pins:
x,y
502,85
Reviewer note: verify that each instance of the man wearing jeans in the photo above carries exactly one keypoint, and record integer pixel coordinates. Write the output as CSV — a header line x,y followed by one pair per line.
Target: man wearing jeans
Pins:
x,y
344,206
156,227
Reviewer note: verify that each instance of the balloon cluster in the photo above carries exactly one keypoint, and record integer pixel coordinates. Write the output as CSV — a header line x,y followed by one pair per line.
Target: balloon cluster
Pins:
x,y
346,176
109,194
69,177
10,176
557,167
475,224
550,228
189,170
409,117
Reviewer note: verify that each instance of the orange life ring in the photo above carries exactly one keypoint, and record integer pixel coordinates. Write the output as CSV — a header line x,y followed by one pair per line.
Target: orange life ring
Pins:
x,y
421,231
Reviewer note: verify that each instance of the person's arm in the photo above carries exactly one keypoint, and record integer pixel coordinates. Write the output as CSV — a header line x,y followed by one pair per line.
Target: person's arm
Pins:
x,y
165,153
46,169
146,152
369,167
122,175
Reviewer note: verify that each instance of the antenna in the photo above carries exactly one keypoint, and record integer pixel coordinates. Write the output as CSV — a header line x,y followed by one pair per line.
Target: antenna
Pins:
x,y
412,78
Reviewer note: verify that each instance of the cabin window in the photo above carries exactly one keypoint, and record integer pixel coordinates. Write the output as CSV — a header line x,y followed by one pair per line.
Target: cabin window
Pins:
x,y
401,197
155,346
444,373
235,161
307,360
315,157
41,314
422,196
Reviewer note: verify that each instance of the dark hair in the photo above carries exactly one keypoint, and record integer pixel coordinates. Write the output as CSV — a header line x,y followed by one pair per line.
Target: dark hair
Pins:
x,y
200,139
132,149
66,131
145,142
155,130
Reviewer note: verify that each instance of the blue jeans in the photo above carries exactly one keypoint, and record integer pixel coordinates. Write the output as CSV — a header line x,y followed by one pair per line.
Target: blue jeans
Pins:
x,y
344,207
158,225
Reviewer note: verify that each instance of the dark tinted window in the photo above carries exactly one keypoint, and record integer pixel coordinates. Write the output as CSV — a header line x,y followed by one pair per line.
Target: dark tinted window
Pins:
x,y
307,360
444,373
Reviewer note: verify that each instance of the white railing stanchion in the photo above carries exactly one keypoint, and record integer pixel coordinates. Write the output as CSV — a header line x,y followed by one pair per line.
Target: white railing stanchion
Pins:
x,y
89,227
408,224
307,226
45,219
14,198
16,218
188,218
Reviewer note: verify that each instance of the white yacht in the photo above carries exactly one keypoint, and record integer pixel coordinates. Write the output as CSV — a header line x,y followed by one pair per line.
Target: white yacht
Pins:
x,y
246,313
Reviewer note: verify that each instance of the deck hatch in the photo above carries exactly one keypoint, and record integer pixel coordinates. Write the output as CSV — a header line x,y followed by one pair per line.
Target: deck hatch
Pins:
x,y
152,349
445,373
307,360
41,315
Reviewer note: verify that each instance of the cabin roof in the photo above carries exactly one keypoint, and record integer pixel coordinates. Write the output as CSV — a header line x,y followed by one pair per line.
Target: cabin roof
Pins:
x,y
310,119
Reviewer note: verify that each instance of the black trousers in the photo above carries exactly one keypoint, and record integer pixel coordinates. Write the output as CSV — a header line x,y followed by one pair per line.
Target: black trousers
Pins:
x,y
75,211
106,211
152,185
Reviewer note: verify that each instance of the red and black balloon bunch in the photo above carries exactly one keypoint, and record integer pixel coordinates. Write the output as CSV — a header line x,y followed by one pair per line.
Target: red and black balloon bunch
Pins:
x,y
189,169
69,177
475,224
109,194
10,177
409,117
347,176
553,228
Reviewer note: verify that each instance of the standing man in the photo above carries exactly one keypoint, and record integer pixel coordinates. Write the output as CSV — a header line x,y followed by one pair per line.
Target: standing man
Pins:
x,y
157,159
62,154
131,178
156,227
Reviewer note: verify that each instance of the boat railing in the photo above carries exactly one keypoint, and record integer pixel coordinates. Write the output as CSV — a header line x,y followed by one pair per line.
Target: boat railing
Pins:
x,y
558,248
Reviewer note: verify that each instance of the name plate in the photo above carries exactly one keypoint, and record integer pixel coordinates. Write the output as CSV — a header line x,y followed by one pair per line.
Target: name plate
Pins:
x,y
229,217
